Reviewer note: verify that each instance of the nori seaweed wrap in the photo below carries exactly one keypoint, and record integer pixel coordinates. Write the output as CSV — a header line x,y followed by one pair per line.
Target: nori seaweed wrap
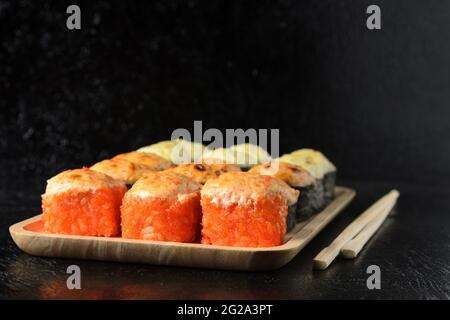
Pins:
x,y
291,218
329,182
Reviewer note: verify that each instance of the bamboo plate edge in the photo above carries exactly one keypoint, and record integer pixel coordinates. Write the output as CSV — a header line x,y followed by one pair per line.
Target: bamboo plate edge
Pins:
x,y
178,254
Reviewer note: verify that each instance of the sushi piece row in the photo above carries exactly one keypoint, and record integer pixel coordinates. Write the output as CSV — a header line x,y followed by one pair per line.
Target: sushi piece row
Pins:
x,y
179,151
317,188
96,202
234,209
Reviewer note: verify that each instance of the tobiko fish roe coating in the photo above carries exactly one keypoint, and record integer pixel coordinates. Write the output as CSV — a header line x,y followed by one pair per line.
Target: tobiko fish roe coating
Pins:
x,y
162,206
245,210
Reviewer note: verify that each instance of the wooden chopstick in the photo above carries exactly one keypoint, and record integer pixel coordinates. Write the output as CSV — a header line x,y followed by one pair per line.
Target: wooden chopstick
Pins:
x,y
328,254
352,248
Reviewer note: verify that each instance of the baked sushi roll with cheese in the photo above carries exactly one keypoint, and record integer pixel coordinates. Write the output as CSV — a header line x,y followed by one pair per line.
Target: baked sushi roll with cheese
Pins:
x,y
163,206
245,155
82,202
311,197
245,210
319,166
219,155
201,172
149,160
122,170
249,155
176,151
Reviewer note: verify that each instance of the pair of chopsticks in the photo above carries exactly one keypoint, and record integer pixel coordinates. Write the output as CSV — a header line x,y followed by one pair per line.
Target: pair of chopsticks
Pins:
x,y
350,242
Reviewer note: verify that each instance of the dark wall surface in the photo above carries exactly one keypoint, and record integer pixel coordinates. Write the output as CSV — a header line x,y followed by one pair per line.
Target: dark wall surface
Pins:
x,y
375,102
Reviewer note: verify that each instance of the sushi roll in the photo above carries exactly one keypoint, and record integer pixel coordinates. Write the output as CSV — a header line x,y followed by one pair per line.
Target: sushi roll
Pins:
x,y
163,206
82,202
319,166
311,197
244,155
176,151
201,172
149,160
245,210
122,170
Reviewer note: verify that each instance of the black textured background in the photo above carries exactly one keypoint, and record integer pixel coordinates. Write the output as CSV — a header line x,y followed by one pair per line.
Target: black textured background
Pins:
x,y
376,102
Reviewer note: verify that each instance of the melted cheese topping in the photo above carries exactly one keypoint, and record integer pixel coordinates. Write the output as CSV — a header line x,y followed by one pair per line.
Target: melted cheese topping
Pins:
x,y
121,169
312,160
164,184
201,172
244,188
252,153
150,160
219,155
291,174
176,151
244,155
80,180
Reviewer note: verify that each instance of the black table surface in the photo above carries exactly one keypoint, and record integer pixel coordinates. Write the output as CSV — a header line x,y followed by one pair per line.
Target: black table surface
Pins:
x,y
411,249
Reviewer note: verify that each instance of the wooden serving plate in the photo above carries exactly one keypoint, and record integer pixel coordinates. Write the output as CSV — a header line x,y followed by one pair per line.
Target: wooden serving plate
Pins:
x,y
30,237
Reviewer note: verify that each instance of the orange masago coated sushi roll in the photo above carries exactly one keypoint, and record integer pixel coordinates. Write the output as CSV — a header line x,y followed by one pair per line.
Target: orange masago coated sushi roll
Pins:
x,y
245,210
162,206
82,202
